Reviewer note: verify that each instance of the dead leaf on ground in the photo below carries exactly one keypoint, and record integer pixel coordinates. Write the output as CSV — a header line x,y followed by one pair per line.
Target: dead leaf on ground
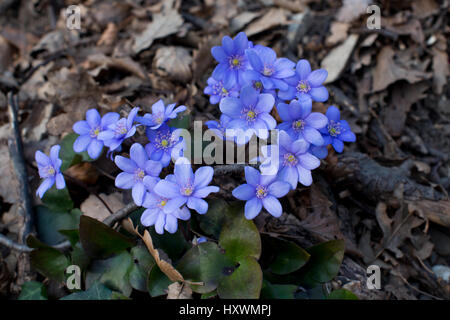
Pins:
x,y
165,23
390,70
273,18
9,186
441,69
336,60
174,62
179,291
94,208
338,32
352,9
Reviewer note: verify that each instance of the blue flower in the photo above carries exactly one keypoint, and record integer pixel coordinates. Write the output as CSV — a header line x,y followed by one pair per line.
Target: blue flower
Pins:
x,y
118,131
268,69
164,143
337,131
155,215
232,59
300,122
218,90
186,188
89,130
160,114
219,128
306,85
251,111
201,240
49,170
261,190
320,152
135,170
291,158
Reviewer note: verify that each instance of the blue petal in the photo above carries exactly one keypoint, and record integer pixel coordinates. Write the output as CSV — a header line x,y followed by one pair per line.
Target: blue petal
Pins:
x,y
279,188
319,94
81,127
303,69
273,206
203,176
252,176
199,205
333,113
338,145
124,180
252,208
244,192
93,118
231,107
313,136
218,53
125,164
317,77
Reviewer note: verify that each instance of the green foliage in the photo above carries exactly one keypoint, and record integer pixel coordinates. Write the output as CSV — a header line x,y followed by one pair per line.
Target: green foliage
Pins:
x,y
244,283
212,222
33,290
67,155
239,236
174,245
49,262
97,291
325,261
112,272
289,257
181,122
157,282
99,240
342,294
49,223
204,263
278,291
142,264
58,200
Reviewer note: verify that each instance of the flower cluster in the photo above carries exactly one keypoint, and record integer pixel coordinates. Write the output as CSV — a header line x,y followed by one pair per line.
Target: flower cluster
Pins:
x,y
248,82
165,200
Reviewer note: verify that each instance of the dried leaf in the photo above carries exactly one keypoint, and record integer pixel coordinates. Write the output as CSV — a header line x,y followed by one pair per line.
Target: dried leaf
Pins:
x,y
94,208
9,186
441,69
179,291
336,60
273,18
108,36
352,9
165,23
163,265
174,62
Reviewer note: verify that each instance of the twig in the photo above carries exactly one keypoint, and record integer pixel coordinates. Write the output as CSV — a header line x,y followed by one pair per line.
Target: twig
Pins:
x,y
16,151
109,221
230,168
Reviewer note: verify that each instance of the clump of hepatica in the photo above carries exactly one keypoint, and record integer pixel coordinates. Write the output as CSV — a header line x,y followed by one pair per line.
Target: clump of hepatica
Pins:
x,y
160,114
304,135
49,170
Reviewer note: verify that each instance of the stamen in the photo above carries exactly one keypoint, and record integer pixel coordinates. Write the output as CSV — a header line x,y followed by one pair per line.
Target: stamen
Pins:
x,y
303,86
94,132
139,174
261,192
290,160
334,128
268,70
187,190
298,125
235,62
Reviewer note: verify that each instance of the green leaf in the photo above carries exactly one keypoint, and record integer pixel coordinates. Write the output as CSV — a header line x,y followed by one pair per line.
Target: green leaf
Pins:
x,y
204,263
73,235
244,283
112,272
324,263
181,122
99,240
209,295
342,294
289,257
239,237
68,156
97,291
211,223
157,282
48,224
174,245
143,263
79,256
33,290
278,291
58,200
118,296
49,262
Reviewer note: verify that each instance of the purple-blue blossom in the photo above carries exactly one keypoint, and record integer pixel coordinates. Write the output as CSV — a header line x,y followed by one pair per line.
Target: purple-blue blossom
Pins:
x,y
49,170
250,112
160,114
300,122
89,130
306,85
185,187
135,169
291,158
269,69
164,143
155,215
232,59
219,128
217,90
261,191
337,131
119,130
